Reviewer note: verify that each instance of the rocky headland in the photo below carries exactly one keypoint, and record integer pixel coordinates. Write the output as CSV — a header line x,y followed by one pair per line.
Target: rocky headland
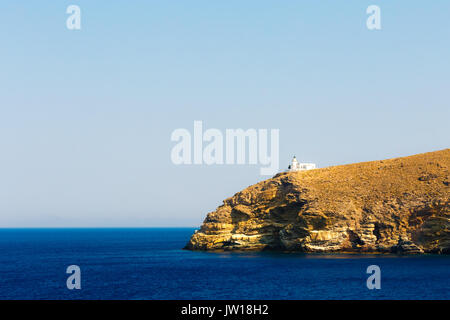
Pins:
x,y
398,205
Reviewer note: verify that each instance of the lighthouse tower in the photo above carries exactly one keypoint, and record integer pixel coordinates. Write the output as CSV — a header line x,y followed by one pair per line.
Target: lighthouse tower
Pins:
x,y
294,166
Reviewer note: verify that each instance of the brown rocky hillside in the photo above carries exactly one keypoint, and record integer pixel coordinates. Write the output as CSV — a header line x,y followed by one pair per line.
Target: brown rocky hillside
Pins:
x,y
395,205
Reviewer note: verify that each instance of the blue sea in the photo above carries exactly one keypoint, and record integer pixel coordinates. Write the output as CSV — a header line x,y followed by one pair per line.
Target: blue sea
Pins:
x,y
150,264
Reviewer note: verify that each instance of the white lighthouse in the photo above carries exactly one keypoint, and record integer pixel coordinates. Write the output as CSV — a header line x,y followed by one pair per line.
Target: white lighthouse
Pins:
x,y
297,166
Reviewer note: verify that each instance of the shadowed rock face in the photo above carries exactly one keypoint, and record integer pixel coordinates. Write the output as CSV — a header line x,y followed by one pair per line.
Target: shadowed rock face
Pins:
x,y
398,205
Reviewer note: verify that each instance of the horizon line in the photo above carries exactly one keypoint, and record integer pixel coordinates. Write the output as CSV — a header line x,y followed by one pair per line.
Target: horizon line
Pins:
x,y
155,227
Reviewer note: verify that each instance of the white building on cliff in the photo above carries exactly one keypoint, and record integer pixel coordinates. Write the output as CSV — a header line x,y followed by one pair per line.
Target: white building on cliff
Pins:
x,y
297,166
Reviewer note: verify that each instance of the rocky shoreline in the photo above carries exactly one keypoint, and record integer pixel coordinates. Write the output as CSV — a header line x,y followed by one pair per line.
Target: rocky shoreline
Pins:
x,y
398,205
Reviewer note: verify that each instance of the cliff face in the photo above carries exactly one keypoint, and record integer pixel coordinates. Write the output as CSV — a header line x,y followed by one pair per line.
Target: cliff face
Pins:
x,y
395,205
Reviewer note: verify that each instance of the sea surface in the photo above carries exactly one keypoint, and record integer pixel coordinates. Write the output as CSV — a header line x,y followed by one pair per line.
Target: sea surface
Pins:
x,y
150,264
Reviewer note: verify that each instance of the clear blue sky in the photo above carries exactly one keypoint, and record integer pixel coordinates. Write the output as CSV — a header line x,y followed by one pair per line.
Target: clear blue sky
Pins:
x,y
86,116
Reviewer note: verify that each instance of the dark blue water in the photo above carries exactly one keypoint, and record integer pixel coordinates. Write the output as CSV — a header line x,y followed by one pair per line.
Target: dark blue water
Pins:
x,y
149,264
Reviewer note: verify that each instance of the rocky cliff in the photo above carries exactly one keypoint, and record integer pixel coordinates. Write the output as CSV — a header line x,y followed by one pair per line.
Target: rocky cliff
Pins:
x,y
396,205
